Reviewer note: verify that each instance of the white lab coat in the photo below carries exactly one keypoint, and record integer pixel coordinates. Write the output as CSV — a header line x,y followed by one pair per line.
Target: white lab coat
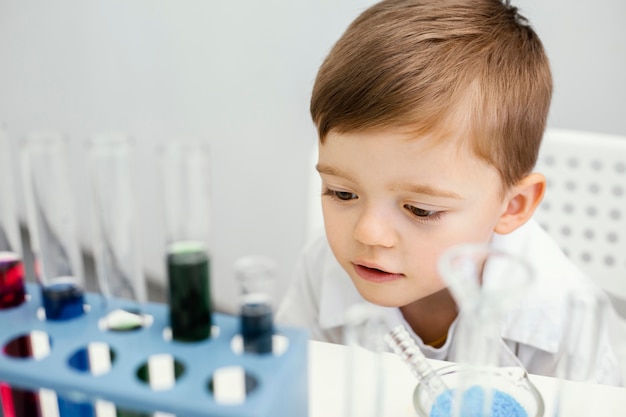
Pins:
x,y
534,328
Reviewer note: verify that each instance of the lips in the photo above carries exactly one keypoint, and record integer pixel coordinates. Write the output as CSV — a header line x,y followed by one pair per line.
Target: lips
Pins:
x,y
373,274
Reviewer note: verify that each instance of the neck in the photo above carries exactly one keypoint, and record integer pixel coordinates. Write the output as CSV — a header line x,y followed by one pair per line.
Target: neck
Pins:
x,y
431,317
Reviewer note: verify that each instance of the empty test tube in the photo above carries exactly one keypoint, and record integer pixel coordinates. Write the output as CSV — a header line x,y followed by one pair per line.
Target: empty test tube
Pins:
x,y
116,238
51,221
366,326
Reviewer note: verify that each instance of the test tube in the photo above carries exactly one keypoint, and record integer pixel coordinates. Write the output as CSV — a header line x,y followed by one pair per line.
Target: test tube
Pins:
x,y
51,221
256,276
116,238
364,334
588,312
12,287
187,177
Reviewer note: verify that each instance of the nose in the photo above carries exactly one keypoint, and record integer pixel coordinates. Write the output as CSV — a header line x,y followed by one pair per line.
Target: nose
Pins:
x,y
374,228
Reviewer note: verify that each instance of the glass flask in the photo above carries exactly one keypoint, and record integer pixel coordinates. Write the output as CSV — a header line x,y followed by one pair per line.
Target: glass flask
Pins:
x,y
487,380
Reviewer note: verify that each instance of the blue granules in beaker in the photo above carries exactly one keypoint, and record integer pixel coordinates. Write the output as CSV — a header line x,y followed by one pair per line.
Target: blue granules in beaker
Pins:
x,y
502,405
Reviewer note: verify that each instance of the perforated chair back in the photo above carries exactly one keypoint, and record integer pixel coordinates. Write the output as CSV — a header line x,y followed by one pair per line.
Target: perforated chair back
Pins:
x,y
584,208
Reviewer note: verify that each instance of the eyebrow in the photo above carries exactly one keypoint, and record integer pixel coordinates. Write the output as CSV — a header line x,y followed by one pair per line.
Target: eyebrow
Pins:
x,y
334,171
410,187
427,190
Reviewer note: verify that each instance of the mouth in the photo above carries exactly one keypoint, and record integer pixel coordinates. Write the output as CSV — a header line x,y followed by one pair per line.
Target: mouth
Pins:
x,y
374,274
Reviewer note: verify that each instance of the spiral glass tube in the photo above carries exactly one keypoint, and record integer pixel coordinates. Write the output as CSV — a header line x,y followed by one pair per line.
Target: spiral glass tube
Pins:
x,y
401,342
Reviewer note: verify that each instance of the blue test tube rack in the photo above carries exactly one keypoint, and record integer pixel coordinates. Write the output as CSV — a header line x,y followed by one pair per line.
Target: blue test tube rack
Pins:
x,y
282,388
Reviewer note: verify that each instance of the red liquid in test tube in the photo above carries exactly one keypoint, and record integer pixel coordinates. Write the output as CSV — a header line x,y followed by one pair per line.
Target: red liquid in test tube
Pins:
x,y
12,291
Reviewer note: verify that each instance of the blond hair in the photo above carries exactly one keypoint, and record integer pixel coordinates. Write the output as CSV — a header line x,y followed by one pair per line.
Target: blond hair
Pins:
x,y
436,66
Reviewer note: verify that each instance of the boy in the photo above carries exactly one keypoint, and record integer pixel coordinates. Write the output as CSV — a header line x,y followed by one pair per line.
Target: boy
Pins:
x,y
430,114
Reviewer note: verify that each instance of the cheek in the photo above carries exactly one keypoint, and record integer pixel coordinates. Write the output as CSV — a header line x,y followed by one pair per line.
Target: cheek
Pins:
x,y
334,225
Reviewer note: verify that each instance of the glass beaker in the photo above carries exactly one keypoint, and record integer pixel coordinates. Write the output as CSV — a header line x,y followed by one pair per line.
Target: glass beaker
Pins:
x,y
12,287
186,177
484,281
515,397
51,222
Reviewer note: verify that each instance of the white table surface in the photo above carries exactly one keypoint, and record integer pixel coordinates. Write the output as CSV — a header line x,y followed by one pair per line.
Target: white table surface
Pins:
x,y
328,392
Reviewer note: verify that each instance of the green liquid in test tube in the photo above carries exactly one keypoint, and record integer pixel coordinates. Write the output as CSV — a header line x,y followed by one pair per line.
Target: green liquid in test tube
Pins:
x,y
186,179
188,267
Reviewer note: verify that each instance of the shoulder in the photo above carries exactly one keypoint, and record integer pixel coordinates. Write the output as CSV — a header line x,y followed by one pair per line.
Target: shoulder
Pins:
x,y
540,317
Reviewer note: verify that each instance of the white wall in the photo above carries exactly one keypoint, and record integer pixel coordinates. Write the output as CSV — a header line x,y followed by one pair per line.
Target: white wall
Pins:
x,y
240,74
586,43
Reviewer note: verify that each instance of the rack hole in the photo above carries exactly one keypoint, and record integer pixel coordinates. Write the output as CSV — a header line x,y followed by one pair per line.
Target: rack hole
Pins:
x,y
95,358
280,344
161,371
230,385
33,345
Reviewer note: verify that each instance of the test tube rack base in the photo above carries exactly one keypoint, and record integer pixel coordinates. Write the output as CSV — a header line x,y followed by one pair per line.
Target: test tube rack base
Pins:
x,y
280,380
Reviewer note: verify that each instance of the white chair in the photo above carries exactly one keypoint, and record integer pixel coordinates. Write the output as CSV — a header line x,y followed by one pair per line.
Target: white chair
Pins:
x,y
584,208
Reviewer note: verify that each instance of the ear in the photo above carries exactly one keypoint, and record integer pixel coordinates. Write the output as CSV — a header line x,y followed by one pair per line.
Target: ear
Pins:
x,y
520,202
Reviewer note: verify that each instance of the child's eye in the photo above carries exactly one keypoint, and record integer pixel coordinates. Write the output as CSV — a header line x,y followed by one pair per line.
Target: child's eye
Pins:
x,y
340,195
423,214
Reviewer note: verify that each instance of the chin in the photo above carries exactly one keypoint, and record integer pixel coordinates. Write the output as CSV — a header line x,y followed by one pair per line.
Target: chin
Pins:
x,y
393,297
382,298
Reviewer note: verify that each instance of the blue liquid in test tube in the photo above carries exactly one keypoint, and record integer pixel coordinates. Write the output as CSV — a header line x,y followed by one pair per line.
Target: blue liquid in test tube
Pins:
x,y
256,278
51,222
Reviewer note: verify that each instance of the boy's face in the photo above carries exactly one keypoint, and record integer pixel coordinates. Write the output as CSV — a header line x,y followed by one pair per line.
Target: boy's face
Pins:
x,y
393,203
